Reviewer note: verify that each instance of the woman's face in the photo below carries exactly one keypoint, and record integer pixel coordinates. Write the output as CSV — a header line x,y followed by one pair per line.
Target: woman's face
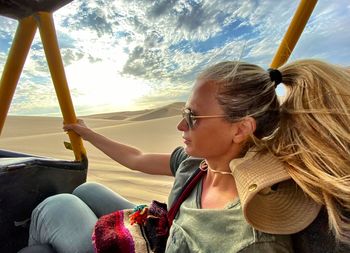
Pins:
x,y
209,138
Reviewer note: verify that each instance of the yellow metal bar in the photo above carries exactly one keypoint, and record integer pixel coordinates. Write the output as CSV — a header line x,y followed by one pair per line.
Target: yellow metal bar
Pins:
x,y
293,33
54,60
14,65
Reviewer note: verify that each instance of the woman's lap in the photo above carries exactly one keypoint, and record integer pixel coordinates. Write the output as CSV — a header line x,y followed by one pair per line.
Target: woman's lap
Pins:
x,y
66,221
101,199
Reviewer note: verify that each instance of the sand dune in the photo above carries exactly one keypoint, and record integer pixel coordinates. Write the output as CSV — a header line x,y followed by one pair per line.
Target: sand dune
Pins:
x,y
166,111
152,131
118,115
162,112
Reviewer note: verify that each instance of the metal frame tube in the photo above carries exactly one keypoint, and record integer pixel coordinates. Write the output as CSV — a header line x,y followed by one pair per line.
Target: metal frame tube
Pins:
x,y
293,33
54,60
14,64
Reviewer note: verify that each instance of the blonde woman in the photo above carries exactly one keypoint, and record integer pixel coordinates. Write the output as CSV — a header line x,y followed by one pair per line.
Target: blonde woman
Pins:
x,y
237,206
311,133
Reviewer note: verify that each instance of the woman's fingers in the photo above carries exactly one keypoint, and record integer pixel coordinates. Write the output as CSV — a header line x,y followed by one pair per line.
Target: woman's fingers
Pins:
x,y
73,125
79,128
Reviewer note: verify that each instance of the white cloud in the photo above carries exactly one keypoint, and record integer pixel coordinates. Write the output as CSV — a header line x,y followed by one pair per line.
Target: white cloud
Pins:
x,y
3,58
30,97
8,26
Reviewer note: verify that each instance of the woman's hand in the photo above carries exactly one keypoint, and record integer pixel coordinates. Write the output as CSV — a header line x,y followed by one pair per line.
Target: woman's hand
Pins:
x,y
80,128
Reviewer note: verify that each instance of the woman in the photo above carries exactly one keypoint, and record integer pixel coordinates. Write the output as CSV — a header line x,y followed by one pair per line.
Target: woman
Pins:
x,y
233,108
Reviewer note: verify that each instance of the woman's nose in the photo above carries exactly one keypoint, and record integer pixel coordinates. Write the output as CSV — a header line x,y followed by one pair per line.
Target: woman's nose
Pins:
x,y
182,125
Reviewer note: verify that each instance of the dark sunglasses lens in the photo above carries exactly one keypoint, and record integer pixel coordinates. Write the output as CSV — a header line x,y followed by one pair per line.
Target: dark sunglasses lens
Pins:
x,y
186,114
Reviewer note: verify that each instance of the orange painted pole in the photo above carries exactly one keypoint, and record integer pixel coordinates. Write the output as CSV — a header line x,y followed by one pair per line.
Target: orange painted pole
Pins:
x,y
293,33
14,64
54,60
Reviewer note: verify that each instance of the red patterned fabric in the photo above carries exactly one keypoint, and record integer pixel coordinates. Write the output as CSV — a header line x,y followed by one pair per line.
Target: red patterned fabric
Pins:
x,y
111,235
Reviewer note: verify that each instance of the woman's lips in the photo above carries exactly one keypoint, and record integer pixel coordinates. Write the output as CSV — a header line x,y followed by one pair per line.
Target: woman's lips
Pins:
x,y
186,141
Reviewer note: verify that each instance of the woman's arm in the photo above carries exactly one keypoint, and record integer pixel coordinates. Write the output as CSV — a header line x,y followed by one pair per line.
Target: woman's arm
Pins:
x,y
130,157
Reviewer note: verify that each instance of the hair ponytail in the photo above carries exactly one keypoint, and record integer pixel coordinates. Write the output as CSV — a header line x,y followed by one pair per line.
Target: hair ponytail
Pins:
x,y
314,136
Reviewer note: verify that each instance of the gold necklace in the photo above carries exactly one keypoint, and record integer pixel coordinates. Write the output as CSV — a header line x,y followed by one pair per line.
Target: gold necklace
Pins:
x,y
203,166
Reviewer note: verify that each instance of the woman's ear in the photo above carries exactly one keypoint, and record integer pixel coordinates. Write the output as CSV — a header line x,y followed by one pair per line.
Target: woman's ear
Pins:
x,y
243,129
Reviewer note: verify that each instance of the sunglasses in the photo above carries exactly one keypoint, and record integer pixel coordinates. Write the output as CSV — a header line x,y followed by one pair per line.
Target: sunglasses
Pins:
x,y
190,118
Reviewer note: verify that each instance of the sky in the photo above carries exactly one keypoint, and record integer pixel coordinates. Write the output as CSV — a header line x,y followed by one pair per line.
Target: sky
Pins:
x,y
140,54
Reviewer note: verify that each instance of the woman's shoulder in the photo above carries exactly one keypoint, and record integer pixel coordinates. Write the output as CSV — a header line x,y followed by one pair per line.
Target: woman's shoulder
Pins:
x,y
181,163
183,167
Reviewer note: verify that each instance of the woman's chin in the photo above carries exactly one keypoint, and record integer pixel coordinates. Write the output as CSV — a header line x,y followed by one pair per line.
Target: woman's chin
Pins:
x,y
189,150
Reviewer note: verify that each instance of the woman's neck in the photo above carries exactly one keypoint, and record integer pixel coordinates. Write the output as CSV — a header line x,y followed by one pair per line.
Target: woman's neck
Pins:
x,y
218,190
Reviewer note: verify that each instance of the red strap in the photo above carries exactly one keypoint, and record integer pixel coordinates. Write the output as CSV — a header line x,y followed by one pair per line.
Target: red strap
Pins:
x,y
175,207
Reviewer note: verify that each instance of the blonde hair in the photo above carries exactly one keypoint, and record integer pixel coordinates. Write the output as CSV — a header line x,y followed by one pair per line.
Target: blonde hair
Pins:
x,y
309,131
314,136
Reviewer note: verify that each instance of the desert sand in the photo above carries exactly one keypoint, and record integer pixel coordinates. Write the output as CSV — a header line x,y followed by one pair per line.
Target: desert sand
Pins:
x,y
152,130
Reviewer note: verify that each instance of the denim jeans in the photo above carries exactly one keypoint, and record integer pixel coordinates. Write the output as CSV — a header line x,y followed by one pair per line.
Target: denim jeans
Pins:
x,y
66,221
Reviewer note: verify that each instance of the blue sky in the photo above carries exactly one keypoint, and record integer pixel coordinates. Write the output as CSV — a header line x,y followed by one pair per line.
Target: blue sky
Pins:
x,y
136,54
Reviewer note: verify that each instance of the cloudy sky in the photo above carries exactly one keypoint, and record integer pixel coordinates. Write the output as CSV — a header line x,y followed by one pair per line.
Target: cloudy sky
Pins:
x,y
137,54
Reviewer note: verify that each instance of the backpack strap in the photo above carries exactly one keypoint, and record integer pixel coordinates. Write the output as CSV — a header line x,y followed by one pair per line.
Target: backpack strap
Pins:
x,y
187,189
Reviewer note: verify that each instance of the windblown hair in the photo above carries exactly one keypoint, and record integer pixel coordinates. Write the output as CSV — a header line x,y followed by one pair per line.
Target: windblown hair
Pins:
x,y
314,136
309,131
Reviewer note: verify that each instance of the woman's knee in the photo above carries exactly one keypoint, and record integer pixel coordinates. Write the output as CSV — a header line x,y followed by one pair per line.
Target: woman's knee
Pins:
x,y
55,204
50,210
85,189
56,221
48,215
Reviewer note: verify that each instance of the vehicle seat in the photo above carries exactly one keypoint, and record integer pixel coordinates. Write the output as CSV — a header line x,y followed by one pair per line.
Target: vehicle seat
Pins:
x,y
25,182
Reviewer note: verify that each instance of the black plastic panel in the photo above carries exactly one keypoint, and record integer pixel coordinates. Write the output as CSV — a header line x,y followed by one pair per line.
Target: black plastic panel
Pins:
x,y
25,181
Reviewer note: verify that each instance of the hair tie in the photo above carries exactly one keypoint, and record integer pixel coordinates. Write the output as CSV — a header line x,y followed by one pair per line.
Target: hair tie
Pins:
x,y
275,76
